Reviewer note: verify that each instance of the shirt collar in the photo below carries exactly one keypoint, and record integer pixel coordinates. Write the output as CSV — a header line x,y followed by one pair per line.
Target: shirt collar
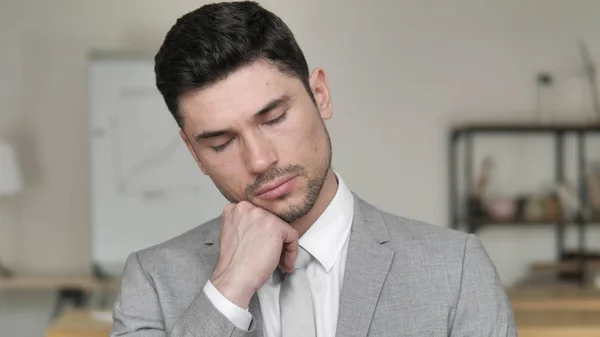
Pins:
x,y
326,237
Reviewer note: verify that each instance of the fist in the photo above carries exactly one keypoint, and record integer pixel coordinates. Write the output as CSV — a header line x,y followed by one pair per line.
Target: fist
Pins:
x,y
253,244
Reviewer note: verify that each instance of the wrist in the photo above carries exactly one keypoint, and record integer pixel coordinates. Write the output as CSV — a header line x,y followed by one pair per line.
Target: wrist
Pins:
x,y
234,289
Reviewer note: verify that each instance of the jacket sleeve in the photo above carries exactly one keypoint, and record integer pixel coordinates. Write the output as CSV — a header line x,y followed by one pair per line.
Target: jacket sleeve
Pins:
x,y
483,307
137,311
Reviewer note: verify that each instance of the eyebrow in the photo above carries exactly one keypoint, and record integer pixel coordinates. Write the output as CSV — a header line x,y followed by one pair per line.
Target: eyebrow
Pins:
x,y
270,106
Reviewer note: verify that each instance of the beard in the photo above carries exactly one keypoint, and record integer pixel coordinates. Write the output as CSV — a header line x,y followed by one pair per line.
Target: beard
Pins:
x,y
294,212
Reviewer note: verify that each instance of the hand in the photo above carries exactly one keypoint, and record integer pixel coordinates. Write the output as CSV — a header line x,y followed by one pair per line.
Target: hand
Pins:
x,y
253,244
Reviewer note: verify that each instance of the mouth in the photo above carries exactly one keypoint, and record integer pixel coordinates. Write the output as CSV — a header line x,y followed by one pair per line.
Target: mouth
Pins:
x,y
276,188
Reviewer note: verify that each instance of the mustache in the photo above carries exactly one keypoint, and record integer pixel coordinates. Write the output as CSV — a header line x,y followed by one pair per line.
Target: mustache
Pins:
x,y
273,174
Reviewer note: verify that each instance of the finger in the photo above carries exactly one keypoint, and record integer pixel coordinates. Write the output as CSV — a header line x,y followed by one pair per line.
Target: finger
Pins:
x,y
241,210
290,248
227,214
244,206
290,235
228,210
288,259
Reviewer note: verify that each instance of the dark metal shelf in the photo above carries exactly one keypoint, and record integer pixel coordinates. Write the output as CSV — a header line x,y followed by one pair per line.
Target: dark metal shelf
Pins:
x,y
465,135
480,222
526,128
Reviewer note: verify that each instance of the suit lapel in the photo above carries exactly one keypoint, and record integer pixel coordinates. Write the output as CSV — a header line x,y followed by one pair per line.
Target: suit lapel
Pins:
x,y
210,256
367,264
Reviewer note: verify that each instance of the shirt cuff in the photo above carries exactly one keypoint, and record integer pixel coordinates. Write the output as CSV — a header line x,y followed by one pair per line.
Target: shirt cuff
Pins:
x,y
239,317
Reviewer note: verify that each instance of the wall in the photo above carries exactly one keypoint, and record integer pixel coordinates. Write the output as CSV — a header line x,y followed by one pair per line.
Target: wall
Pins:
x,y
401,72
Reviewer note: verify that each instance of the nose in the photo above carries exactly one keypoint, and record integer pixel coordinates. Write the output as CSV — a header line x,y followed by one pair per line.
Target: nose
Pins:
x,y
259,153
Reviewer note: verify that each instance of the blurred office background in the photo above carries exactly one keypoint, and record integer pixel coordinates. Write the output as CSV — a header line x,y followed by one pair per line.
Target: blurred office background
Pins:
x,y
404,76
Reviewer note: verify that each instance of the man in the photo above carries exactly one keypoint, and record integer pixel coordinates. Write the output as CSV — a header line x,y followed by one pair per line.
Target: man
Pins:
x,y
295,253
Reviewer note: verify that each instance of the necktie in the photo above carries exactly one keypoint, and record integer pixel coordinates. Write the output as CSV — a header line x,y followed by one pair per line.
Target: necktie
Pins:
x,y
295,300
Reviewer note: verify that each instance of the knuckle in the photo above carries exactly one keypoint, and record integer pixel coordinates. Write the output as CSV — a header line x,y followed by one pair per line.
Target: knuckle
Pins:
x,y
228,208
243,207
271,225
255,213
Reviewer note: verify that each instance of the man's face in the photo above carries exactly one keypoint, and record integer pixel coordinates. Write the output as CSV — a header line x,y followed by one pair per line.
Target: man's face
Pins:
x,y
260,137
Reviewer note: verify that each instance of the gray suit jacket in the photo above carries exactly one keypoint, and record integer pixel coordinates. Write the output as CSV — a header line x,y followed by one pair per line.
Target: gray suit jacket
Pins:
x,y
402,278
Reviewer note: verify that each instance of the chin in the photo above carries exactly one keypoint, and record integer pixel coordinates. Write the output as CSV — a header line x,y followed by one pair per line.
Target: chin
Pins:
x,y
291,209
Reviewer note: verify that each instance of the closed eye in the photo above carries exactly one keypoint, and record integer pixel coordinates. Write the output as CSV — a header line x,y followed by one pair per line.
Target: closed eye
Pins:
x,y
221,147
277,120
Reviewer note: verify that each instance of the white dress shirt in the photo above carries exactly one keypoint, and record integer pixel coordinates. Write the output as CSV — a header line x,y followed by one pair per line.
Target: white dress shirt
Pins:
x,y
327,241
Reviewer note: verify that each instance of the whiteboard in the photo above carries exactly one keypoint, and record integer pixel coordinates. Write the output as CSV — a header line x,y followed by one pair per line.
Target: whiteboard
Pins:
x,y
145,186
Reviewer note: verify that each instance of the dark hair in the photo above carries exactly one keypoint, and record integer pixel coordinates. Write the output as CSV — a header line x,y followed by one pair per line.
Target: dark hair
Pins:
x,y
209,43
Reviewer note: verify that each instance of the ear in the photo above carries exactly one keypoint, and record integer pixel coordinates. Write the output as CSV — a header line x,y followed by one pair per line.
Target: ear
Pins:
x,y
320,90
192,151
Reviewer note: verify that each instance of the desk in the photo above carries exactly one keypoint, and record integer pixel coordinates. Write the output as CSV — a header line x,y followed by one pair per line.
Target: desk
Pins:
x,y
556,310
555,297
52,282
78,323
70,288
558,323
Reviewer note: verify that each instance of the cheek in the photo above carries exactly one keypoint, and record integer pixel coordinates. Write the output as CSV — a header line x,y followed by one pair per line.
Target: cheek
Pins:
x,y
300,141
227,173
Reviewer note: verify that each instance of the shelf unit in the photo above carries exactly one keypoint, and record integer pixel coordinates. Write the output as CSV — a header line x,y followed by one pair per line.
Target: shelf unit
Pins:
x,y
465,135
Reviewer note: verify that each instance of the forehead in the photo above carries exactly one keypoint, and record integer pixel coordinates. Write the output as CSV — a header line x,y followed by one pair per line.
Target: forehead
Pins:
x,y
239,95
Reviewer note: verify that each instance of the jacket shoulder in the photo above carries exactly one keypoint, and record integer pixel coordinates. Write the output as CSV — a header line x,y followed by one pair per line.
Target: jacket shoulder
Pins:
x,y
418,239
432,256
402,228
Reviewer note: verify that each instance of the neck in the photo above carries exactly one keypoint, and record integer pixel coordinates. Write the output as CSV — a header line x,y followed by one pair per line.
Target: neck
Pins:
x,y
328,191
